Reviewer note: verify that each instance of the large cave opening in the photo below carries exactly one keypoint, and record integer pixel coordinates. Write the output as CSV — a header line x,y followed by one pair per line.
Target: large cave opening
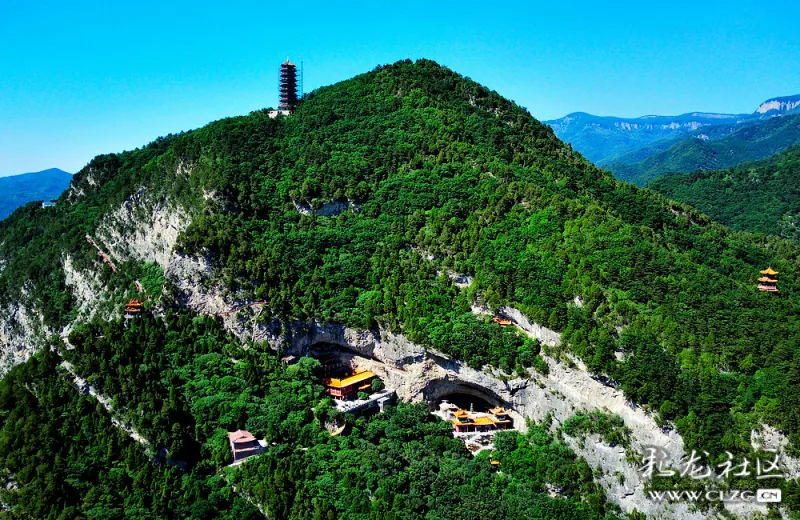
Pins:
x,y
336,360
474,412
462,394
465,401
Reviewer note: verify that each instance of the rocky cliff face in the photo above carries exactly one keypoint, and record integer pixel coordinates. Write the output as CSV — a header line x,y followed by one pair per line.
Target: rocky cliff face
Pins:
x,y
419,374
22,333
779,106
328,209
144,228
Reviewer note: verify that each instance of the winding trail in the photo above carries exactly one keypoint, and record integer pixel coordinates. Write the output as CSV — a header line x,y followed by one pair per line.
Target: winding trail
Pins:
x,y
102,254
107,259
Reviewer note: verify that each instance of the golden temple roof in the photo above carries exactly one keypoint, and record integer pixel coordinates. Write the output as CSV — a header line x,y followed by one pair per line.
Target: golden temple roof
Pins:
x,y
483,421
348,381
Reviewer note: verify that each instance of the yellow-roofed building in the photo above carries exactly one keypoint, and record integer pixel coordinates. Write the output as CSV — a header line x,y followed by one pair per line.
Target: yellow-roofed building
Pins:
x,y
464,422
346,387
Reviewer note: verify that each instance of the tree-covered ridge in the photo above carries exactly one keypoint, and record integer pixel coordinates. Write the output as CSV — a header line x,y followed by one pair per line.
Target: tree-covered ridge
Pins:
x,y
449,177
488,191
706,151
762,197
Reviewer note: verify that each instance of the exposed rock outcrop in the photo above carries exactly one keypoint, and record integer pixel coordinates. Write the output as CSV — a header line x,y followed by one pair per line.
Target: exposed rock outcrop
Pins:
x,y
22,333
84,286
768,438
534,330
193,277
143,229
779,106
328,209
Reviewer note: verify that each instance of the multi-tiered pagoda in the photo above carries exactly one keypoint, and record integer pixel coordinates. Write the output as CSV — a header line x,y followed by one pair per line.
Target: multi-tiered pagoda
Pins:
x,y
769,280
288,86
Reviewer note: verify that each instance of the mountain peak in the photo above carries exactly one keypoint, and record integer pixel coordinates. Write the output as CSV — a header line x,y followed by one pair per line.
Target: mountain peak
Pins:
x,y
780,105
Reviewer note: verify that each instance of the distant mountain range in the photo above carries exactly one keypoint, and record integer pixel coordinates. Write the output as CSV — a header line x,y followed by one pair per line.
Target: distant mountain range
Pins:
x,y
761,196
709,148
639,149
18,190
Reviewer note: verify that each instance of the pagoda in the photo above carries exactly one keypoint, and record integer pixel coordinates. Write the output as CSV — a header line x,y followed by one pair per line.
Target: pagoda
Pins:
x,y
133,309
769,280
288,86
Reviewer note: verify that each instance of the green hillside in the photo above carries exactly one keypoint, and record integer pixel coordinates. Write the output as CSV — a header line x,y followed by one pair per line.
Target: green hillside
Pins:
x,y
445,175
762,197
752,142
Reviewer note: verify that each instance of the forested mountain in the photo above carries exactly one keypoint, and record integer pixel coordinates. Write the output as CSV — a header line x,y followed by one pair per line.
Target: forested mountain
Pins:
x,y
17,190
762,197
705,152
639,149
601,138
432,175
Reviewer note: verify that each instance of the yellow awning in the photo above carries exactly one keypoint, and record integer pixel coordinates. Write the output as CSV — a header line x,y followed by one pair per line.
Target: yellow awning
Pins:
x,y
349,381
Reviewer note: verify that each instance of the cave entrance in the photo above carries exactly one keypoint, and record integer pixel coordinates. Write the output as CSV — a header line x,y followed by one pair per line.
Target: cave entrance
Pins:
x,y
466,402
337,360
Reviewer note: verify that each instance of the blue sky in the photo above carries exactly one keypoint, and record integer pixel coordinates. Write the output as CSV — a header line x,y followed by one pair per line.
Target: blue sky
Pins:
x,y
82,78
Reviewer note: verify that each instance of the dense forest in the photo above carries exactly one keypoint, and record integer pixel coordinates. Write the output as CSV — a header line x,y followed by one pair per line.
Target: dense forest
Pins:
x,y
762,197
444,176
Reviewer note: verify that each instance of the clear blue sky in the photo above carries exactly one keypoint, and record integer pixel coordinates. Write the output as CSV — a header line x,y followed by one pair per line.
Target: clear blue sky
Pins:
x,y
82,78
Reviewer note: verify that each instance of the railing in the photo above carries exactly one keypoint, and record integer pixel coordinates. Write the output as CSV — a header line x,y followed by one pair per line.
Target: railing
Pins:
x,y
354,406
